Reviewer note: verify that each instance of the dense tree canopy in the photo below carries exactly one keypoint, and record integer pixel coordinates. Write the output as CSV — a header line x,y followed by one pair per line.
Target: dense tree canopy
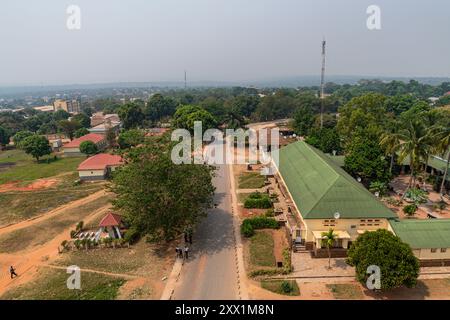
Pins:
x,y
131,116
4,136
20,136
185,116
159,198
395,259
88,147
131,138
36,146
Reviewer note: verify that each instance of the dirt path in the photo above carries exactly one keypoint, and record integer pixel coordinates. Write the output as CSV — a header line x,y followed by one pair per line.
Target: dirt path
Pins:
x,y
52,213
27,261
119,275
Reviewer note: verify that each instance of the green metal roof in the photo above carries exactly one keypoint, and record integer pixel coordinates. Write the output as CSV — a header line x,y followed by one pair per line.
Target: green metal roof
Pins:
x,y
435,162
320,187
431,233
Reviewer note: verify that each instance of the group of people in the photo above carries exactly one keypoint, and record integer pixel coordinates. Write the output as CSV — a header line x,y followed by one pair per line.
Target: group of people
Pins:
x,y
183,253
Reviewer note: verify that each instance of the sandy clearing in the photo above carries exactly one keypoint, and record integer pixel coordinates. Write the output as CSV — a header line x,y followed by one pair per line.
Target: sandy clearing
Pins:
x,y
51,213
27,262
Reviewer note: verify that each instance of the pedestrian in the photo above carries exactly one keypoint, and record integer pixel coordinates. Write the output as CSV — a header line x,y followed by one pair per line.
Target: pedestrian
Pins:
x,y
177,250
186,252
190,238
12,271
185,237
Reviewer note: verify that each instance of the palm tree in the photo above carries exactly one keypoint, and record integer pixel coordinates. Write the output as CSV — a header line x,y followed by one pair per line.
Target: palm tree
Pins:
x,y
414,141
443,146
328,240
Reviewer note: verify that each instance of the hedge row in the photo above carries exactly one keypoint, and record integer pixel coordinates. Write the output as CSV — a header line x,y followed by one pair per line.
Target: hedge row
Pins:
x,y
249,225
258,200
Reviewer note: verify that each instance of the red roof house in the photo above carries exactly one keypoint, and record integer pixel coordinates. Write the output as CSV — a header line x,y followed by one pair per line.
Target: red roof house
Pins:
x,y
99,167
73,147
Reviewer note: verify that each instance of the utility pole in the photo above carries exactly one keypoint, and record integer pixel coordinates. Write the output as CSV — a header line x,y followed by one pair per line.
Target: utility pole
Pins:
x,y
322,83
185,82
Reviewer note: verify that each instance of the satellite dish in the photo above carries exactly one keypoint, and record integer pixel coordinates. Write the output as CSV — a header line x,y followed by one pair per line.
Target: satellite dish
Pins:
x,y
377,194
337,215
359,179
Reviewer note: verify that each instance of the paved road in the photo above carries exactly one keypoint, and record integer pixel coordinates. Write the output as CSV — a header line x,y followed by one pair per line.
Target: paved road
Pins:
x,y
211,272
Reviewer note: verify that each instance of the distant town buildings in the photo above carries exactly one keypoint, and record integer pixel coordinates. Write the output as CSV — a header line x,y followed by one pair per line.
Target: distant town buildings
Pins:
x,y
71,106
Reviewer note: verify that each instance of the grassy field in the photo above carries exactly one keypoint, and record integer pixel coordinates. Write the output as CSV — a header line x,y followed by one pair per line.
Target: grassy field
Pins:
x,y
275,286
51,285
44,231
22,205
16,165
261,249
251,180
346,291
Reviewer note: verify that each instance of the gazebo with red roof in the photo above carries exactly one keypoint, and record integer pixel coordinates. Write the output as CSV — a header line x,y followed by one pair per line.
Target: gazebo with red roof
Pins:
x,y
111,224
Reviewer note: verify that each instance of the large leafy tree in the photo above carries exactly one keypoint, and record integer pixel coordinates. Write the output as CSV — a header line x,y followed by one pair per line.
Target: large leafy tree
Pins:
x,y
327,140
360,113
83,119
303,120
20,136
37,146
81,132
159,198
365,158
442,134
159,106
88,148
69,127
381,248
131,116
131,138
4,137
185,116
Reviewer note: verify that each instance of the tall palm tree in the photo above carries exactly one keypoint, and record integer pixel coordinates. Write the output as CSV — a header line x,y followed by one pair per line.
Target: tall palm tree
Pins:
x,y
414,142
328,239
443,145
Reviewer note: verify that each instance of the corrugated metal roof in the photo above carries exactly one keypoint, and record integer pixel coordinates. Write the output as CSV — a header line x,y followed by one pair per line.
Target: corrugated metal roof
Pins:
x,y
423,234
320,187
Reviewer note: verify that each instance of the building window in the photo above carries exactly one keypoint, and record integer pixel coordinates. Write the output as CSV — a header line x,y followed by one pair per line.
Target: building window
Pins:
x,y
433,250
443,250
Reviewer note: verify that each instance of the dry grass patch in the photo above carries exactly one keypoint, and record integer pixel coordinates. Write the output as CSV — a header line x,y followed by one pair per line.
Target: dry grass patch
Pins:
x,y
262,249
44,231
346,291
251,180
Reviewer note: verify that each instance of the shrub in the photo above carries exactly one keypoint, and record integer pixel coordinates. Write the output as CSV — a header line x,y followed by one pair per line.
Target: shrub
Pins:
x,y
73,234
286,287
249,225
258,200
247,229
410,209
131,236
79,226
269,213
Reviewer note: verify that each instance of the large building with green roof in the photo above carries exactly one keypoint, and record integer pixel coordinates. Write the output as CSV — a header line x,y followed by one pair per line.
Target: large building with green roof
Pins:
x,y
429,239
325,197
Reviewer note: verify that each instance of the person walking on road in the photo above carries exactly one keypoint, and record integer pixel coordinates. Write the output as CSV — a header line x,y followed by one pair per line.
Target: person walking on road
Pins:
x,y
12,271
186,252
177,250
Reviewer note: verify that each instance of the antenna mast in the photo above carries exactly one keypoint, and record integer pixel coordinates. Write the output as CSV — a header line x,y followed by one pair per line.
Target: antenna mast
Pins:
x,y
322,83
185,82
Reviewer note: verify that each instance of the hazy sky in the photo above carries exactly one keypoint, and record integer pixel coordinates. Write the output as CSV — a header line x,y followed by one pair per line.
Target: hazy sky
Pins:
x,y
219,40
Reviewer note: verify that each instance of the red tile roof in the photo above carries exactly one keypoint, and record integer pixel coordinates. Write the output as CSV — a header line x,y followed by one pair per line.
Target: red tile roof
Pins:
x,y
75,143
111,219
100,161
